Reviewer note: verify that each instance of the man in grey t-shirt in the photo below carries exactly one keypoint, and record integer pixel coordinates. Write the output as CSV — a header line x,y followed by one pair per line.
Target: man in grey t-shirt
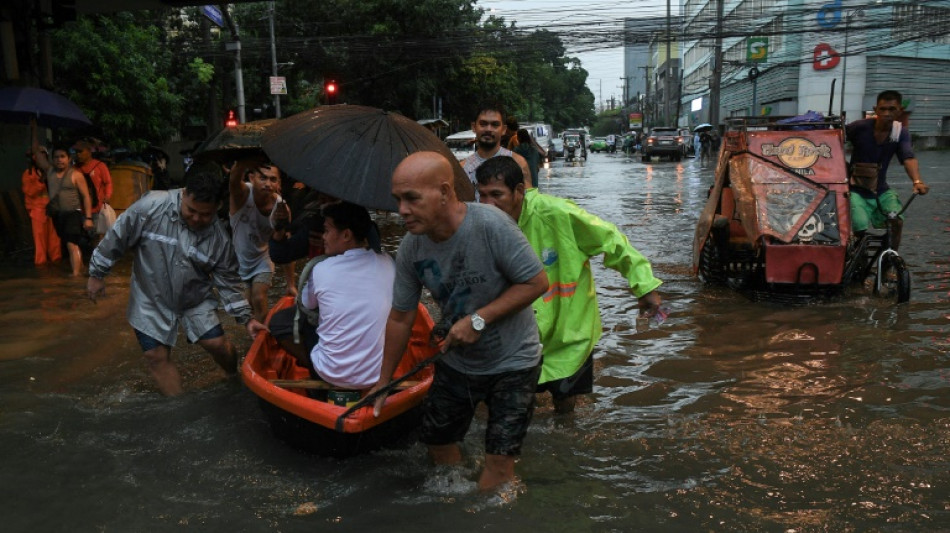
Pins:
x,y
484,276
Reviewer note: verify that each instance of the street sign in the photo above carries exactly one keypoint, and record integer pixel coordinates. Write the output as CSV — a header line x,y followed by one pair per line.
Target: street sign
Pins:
x,y
757,49
213,14
278,85
635,121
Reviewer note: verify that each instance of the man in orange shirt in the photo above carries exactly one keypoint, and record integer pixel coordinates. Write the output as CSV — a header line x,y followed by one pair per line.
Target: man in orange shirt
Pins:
x,y
98,171
36,198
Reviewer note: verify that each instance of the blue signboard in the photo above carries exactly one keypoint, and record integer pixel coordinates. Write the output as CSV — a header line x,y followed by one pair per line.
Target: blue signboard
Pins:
x,y
213,14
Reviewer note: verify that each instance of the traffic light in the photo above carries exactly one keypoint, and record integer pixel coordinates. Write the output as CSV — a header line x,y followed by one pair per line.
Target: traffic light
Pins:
x,y
232,121
330,90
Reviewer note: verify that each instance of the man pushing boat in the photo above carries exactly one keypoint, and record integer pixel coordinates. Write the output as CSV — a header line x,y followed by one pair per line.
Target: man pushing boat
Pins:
x,y
483,275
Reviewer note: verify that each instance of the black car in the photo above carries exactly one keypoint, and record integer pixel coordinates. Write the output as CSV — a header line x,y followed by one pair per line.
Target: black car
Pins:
x,y
663,142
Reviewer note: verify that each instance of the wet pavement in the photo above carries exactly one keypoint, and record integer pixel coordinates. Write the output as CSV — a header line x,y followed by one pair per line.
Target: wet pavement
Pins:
x,y
731,416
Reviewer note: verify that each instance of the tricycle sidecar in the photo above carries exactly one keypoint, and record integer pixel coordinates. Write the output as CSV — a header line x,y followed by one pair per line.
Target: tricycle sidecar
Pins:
x,y
777,222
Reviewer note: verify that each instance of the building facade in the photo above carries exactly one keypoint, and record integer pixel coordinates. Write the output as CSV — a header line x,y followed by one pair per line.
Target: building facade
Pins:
x,y
818,55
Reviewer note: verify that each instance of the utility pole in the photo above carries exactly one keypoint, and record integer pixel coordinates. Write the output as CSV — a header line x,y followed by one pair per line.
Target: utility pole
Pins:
x,y
601,94
646,98
235,46
666,71
273,56
716,82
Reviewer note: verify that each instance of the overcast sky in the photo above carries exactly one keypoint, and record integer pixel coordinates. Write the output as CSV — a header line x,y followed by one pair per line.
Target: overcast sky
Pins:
x,y
602,60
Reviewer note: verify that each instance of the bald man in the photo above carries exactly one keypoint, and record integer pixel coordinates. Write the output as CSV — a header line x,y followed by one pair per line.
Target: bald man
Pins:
x,y
484,276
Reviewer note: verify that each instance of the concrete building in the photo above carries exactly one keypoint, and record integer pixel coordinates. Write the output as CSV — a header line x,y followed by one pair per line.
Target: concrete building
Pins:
x,y
653,84
862,46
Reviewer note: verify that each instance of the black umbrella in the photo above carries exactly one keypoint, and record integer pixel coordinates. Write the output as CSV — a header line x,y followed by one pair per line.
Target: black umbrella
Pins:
x,y
350,152
22,104
233,142
703,127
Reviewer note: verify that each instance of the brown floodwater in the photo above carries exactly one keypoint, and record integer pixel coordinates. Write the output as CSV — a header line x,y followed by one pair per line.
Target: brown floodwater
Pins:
x,y
733,415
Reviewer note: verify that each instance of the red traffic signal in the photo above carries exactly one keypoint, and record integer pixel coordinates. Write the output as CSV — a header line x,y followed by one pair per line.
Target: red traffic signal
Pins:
x,y
231,122
330,89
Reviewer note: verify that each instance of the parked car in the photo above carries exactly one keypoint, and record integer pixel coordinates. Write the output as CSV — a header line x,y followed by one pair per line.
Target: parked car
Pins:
x,y
555,148
663,142
597,144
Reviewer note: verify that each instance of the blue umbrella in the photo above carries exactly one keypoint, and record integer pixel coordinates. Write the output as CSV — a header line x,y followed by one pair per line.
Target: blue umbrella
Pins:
x,y
20,104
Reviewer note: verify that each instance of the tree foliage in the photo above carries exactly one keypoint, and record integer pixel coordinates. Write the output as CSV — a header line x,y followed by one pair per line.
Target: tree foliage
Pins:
x,y
116,68
146,75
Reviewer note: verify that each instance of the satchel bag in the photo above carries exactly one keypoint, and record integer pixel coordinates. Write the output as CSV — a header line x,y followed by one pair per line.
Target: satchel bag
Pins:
x,y
105,220
864,176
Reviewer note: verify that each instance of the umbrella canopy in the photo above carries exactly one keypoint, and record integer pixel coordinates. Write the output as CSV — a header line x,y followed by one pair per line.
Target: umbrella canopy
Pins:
x,y
703,127
20,104
350,152
233,142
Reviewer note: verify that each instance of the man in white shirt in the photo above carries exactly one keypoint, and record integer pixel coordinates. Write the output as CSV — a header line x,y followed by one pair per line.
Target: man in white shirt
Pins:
x,y
352,290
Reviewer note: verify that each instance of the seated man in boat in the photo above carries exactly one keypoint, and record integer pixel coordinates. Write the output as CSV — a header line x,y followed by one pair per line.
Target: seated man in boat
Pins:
x,y
352,291
484,275
566,237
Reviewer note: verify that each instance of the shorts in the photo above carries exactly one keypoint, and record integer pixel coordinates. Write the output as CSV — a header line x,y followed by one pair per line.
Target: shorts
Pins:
x,y
148,343
871,212
68,226
263,278
450,406
582,382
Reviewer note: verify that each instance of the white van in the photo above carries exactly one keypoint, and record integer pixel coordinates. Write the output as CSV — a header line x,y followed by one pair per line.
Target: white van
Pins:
x,y
542,133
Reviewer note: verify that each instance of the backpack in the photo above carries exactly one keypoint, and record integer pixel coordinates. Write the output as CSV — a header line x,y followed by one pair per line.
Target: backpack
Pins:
x,y
91,187
312,315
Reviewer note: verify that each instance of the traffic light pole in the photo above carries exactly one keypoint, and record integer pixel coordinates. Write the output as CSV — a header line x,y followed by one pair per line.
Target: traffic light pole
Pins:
x,y
235,46
273,57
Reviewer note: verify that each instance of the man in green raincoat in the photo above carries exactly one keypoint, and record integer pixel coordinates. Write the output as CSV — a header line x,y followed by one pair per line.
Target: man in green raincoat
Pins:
x,y
565,237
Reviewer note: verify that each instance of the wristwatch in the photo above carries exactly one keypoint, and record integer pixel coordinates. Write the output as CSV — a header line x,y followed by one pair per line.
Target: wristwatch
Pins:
x,y
478,323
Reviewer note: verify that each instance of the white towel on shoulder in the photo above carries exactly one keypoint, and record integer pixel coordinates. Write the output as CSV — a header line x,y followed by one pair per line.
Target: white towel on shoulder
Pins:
x,y
895,131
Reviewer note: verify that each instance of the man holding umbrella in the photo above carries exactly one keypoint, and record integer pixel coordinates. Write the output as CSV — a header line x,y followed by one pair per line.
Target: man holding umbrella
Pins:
x,y
484,275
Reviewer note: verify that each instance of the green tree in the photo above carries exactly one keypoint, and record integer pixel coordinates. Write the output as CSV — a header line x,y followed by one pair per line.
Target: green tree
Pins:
x,y
116,68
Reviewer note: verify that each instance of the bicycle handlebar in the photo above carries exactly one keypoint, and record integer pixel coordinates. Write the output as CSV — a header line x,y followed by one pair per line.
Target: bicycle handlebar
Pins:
x,y
909,200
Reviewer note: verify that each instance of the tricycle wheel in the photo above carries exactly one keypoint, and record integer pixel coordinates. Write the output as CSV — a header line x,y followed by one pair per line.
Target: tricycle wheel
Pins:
x,y
711,266
895,278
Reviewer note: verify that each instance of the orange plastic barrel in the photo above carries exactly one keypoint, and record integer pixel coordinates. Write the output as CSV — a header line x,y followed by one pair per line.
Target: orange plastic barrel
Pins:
x,y
129,182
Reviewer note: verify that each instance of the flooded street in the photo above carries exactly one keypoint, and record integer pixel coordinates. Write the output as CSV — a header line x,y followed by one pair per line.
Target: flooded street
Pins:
x,y
731,416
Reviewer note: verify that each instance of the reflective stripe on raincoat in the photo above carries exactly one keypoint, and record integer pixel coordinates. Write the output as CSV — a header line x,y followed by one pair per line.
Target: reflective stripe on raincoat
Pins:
x,y
565,237
175,269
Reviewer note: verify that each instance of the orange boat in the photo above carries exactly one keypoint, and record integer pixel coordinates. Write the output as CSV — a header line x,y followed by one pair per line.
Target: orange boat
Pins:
x,y
325,428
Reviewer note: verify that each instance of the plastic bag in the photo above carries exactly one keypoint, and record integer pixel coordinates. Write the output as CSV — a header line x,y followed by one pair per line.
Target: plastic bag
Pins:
x,y
105,220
